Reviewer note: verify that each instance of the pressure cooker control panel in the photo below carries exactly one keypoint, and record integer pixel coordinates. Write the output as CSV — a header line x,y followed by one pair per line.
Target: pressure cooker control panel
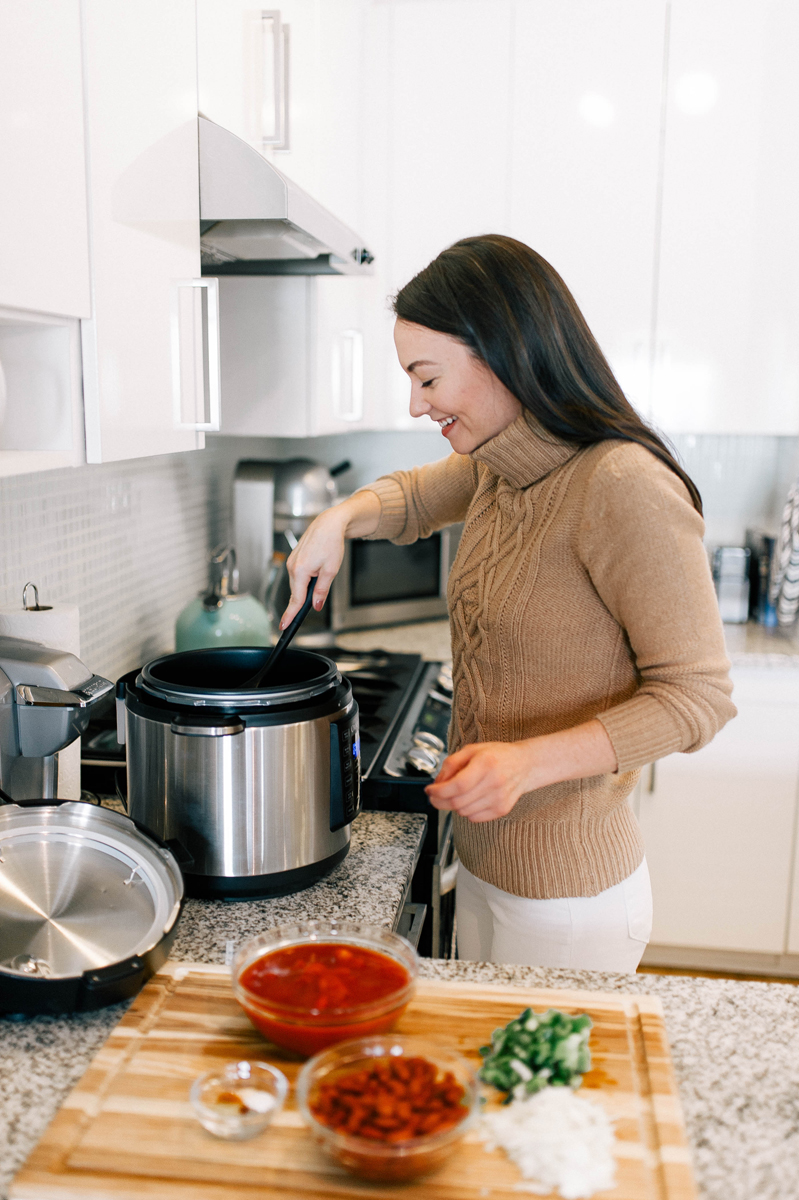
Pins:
x,y
345,770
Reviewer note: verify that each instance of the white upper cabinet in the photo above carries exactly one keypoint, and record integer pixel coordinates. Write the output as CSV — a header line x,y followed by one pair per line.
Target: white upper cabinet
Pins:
x,y
292,355
727,355
289,81
144,342
583,166
532,119
438,124
296,356
44,252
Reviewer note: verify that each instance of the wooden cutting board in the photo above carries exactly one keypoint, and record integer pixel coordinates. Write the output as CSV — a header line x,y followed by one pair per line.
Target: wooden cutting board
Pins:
x,y
127,1131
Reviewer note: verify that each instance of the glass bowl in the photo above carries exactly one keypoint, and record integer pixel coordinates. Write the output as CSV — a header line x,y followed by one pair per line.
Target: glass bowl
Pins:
x,y
238,1100
307,1030
378,1160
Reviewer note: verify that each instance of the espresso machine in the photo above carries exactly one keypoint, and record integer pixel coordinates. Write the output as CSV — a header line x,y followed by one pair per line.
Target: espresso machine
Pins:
x,y
46,701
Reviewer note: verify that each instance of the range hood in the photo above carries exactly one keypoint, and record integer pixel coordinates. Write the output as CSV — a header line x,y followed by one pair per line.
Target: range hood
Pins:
x,y
255,221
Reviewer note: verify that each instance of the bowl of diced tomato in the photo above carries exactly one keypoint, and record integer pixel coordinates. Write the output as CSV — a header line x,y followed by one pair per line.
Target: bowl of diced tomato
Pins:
x,y
311,984
388,1108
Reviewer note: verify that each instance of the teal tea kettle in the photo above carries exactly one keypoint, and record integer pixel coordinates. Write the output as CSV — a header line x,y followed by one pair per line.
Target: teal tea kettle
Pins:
x,y
222,616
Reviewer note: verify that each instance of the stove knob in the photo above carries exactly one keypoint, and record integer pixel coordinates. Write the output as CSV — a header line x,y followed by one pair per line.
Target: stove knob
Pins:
x,y
422,761
444,678
429,741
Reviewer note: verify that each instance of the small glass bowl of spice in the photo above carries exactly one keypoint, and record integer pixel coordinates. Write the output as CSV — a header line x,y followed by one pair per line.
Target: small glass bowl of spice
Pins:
x,y
238,1100
388,1108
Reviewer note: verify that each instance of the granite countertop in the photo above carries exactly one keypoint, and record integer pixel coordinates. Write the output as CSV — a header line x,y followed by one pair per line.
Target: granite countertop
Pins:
x,y
42,1058
735,1047
749,645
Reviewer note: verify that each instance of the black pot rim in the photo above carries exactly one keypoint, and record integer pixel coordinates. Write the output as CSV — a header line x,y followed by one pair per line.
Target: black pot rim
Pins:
x,y
327,676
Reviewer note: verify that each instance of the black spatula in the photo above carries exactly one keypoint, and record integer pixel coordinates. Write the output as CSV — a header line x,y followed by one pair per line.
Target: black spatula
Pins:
x,y
282,644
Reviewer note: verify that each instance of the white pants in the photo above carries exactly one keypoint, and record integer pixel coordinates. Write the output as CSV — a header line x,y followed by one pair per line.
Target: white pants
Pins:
x,y
608,932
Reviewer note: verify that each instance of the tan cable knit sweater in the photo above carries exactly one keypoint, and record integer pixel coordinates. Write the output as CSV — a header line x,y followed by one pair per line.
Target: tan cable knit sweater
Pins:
x,y
580,589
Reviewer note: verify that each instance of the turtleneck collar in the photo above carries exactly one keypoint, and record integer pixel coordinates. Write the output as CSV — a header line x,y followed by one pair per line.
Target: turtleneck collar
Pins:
x,y
524,452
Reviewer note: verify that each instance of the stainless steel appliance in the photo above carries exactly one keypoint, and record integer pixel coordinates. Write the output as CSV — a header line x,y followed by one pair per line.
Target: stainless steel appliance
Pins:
x,y
88,903
89,906
256,221
407,758
761,547
46,701
731,579
259,786
378,584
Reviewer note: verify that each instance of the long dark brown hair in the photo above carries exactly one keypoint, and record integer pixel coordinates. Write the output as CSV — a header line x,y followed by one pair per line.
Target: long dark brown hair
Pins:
x,y
515,313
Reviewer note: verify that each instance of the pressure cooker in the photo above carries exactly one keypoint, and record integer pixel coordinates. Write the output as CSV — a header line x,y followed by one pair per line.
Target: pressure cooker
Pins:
x,y
257,786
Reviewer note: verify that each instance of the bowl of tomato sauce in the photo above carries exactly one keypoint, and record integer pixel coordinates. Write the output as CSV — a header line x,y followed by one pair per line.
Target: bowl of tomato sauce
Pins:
x,y
311,984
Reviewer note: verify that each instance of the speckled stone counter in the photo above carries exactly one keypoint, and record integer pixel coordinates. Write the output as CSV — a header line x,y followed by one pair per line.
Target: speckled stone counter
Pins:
x,y
735,1048
749,645
42,1058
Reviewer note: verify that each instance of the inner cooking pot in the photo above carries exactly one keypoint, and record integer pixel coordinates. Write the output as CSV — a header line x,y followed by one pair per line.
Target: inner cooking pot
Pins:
x,y
216,677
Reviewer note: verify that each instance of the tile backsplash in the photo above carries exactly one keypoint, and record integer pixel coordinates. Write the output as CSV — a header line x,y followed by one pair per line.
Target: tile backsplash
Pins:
x,y
128,542
744,480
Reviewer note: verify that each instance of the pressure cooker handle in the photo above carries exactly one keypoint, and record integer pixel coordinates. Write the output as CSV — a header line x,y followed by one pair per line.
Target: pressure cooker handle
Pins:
x,y
190,726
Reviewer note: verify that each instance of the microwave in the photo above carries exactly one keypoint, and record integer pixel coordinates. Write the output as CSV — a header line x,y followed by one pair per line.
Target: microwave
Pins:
x,y
378,583
383,584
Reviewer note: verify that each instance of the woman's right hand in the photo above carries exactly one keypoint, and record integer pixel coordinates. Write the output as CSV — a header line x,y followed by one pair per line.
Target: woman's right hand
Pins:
x,y
321,548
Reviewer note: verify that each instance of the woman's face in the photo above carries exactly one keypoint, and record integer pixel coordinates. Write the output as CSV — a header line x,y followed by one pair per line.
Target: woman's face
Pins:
x,y
452,387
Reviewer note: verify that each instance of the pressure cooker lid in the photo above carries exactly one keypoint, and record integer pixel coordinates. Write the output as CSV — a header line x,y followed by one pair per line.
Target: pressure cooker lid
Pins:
x,y
216,677
80,888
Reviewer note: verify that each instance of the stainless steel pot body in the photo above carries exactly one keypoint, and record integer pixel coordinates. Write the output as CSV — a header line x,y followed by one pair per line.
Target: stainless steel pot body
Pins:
x,y
259,798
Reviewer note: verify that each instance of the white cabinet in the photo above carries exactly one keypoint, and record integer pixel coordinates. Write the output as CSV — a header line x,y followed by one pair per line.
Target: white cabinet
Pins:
x,y
298,357
719,826
41,408
583,168
295,70
727,356
439,117
533,119
44,252
141,105
292,361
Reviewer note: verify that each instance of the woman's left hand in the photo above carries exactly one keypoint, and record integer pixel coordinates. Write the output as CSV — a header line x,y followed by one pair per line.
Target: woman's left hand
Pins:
x,y
482,781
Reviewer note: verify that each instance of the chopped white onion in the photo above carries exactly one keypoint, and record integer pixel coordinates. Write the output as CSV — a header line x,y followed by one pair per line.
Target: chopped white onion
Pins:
x,y
559,1140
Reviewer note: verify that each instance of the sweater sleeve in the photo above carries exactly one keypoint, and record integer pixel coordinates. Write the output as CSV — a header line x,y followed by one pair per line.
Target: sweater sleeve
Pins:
x,y
416,503
641,543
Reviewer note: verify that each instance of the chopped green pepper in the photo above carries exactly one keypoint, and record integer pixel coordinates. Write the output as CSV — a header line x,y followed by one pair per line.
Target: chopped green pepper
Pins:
x,y
538,1050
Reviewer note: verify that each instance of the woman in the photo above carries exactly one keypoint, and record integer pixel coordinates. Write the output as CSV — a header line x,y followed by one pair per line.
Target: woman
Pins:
x,y
586,639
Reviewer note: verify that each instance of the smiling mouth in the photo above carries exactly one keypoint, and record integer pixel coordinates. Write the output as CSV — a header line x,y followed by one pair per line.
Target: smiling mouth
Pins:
x,y
445,421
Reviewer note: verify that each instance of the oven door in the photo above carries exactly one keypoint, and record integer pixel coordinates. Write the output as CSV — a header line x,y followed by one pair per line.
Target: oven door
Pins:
x,y
383,584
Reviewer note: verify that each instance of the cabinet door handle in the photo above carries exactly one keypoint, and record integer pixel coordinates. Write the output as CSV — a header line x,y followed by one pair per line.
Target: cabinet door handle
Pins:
x,y
273,79
196,384
348,375
652,782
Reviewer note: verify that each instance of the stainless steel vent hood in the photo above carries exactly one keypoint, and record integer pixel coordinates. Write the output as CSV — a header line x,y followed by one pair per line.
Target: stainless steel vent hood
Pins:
x,y
255,221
